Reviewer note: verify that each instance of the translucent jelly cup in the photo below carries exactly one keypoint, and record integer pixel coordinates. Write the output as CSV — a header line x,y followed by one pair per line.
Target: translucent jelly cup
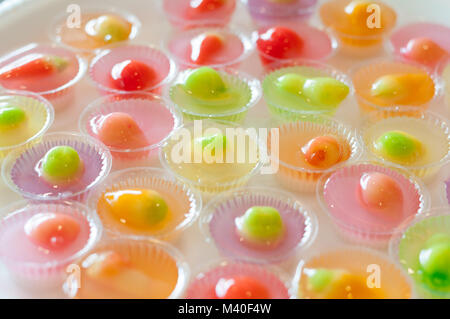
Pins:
x,y
301,178
60,88
364,75
184,204
437,33
159,263
33,266
101,67
317,46
219,17
155,116
265,12
208,172
76,38
431,129
363,225
217,223
355,260
406,244
204,282
236,80
21,170
237,48
309,69
39,113
352,41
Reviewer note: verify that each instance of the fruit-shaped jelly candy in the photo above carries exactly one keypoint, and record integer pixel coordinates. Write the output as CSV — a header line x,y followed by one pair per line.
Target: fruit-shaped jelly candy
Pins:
x,y
120,130
240,287
109,29
260,225
292,83
11,116
52,231
205,46
324,91
61,164
138,208
205,83
399,147
32,65
132,75
322,152
380,192
279,43
434,262
423,51
404,89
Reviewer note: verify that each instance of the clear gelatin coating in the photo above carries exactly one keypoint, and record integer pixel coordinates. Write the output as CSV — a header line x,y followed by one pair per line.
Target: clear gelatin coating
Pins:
x,y
97,29
424,249
343,274
305,90
208,92
129,269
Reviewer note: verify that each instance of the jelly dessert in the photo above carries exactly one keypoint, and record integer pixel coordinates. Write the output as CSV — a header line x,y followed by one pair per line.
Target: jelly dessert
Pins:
x,y
133,126
47,238
358,23
279,45
201,166
305,90
209,47
47,70
236,281
309,149
24,118
391,88
130,269
424,43
131,68
261,225
61,166
144,202
270,12
199,13
420,144
424,250
208,93
346,274
368,202
96,30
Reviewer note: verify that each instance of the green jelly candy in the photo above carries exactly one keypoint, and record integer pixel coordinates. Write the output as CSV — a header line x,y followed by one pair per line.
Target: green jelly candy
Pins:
x,y
212,143
320,279
205,83
61,163
325,92
291,82
261,223
435,265
11,116
398,146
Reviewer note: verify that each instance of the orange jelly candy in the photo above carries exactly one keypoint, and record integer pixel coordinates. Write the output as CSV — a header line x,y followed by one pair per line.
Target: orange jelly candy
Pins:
x,y
52,230
121,131
380,192
240,287
351,286
322,152
142,209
